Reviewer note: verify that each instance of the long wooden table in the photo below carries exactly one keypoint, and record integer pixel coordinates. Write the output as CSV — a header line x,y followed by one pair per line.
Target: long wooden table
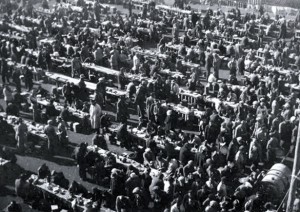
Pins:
x,y
90,86
121,159
34,130
53,190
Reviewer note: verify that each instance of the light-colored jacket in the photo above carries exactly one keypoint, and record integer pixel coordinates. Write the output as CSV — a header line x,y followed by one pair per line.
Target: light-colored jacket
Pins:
x,y
95,113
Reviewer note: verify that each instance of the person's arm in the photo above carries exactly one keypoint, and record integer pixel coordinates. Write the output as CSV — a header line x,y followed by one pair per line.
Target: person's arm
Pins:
x,y
145,159
118,207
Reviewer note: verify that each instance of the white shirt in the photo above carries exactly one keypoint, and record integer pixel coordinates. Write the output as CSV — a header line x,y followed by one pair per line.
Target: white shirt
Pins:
x,y
136,63
212,78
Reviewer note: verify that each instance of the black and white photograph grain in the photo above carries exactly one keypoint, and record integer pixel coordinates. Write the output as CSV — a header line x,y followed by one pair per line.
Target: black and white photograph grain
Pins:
x,y
149,105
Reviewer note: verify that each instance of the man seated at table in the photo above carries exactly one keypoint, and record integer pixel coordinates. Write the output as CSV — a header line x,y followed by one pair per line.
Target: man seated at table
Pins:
x,y
59,179
51,112
51,136
7,154
76,189
21,186
65,114
12,109
123,136
105,123
43,171
13,206
41,91
17,98
99,141
5,128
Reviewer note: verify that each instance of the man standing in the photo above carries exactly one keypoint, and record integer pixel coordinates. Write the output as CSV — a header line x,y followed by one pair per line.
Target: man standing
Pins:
x,y
67,92
130,8
76,66
7,92
149,106
51,136
95,113
208,64
140,99
101,91
28,78
122,110
16,79
216,64
21,135
4,70
62,132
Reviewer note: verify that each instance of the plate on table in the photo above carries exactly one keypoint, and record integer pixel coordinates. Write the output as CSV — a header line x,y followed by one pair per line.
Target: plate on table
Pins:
x,y
56,189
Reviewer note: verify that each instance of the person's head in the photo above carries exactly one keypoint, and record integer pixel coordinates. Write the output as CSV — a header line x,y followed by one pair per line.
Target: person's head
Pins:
x,y
190,163
59,119
23,177
136,190
50,122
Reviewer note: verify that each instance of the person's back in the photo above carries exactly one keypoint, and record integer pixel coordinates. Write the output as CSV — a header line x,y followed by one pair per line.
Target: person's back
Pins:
x,y
8,97
14,207
12,109
21,187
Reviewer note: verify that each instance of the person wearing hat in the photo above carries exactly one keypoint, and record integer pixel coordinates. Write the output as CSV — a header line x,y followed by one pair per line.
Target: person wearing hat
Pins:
x,y
82,92
138,200
17,98
159,113
21,186
114,59
240,158
262,110
13,207
62,132
88,206
3,50
76,66
131,183
43,171
95,112
52,138
188,168
216,64
160,163
149,106
168,121
255,151
79,154
140,99
136,63
122,80
16,78
272,146
101,90
68,93
12,109
21,135
76,188
122,110
185,153
285,134
149,157
190,203
7,92
123,204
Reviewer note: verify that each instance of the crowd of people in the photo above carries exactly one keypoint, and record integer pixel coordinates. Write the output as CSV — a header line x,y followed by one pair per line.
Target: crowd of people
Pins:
x,y
244,68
